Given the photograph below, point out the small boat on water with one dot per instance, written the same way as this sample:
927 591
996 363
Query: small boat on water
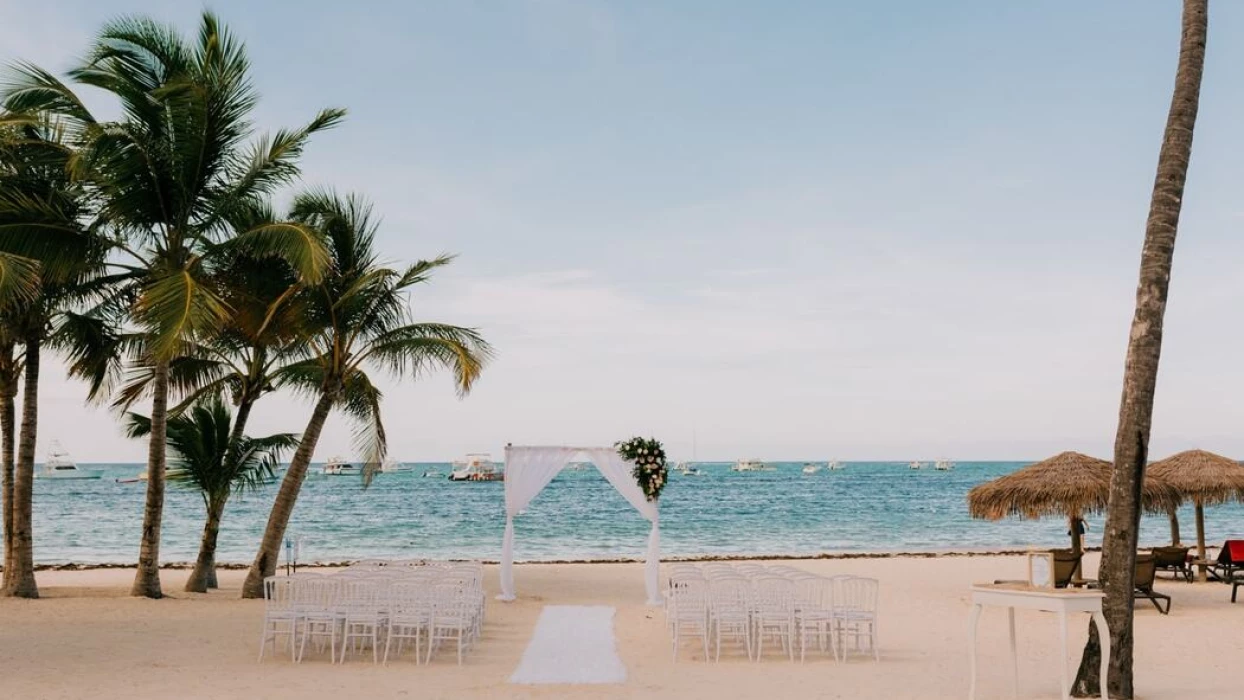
811 468
944 465
835 465
916 465
432 473
751 465
685 469
476 467
59 465
338 466
391 465
137 479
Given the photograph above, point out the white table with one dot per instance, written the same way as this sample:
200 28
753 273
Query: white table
1061 601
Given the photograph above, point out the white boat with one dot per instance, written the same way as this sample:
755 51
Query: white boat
338 466
944 465
751 465
685 469
811 468
59 465
432 473
835 465
916 465
476 467
391 465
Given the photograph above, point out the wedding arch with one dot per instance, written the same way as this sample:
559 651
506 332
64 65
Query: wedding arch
529 469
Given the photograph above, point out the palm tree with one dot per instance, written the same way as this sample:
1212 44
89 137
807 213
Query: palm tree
209 460
1131 446
360 319
171 174
38 194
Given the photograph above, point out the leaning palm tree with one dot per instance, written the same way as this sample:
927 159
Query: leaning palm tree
209 460
1131 445
360 319
170 174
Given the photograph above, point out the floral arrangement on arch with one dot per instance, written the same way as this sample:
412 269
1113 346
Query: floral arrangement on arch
648 456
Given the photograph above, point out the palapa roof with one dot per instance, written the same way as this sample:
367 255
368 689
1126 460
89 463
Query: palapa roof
1204 477
1066 484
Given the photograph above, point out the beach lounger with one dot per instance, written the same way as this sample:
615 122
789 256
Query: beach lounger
1142 584
1174 560
1066 566
1230 560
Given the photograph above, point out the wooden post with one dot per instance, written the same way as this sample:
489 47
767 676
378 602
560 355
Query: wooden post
1174 527
1077 548
1200 541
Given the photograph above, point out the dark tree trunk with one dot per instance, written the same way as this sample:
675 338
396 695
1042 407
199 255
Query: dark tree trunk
147 578
8 444
270 548
21 581
203 576
1118 564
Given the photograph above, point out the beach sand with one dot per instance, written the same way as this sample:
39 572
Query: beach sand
85 638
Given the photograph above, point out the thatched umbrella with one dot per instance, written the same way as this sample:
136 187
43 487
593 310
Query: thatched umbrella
1070 484
1204 478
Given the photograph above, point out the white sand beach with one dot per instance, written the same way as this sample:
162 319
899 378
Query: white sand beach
86 638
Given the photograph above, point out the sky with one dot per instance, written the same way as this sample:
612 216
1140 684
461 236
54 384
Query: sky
800 230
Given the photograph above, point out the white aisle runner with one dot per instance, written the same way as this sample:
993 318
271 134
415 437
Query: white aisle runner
571 644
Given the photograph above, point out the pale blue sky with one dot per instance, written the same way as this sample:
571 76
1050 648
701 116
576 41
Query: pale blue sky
796 230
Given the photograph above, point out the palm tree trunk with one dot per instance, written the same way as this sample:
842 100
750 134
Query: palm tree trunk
1118 563
21 582
1200 541
1174 516
204 575
8 443
147 578
270 548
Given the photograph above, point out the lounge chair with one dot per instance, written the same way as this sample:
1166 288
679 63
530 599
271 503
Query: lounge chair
1146 572
1174 560
1066 564
1230 560
1142 584
1235 586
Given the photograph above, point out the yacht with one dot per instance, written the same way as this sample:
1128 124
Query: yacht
944 465
391 465
916 465
432 473
338 466
476 467
834 465
59 465
811 468
751 465
685 469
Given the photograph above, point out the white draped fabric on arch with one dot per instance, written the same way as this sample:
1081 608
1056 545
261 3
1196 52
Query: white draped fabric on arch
529 469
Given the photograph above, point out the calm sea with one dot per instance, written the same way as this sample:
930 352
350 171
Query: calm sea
868 506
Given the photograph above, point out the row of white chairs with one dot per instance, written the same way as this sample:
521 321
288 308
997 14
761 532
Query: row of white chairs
370 604
752 604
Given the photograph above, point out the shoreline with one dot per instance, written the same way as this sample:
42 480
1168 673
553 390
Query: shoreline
840 555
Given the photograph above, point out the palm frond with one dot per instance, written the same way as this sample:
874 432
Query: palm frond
178 306
416 348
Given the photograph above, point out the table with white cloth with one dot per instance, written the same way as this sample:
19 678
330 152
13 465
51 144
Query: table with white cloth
1061 601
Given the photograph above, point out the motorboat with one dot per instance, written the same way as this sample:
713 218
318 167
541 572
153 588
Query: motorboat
390 465
59 465
338 466
944 465
136 479
835 465
476 467
811 468
432 473
751 465
916 465
685 469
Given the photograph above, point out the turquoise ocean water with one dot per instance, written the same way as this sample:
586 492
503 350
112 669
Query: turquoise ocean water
868 506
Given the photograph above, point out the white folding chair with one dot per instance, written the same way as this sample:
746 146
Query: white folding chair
773 613
855 614
687 612
280 617
316 601
410 614
453 617
730 611
361 608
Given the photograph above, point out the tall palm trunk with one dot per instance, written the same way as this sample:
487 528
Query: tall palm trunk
1118 563
1174 518
8 443
270 548
203 576
21 582
147 579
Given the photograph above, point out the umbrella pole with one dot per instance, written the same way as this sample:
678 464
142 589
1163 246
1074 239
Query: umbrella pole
1200 541
1174 527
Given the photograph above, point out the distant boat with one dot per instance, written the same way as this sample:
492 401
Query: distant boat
338 466
391 465
811 468
431 473
916 465
835 465
59 465
140 478
685 469
751 465
944 465
476 467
